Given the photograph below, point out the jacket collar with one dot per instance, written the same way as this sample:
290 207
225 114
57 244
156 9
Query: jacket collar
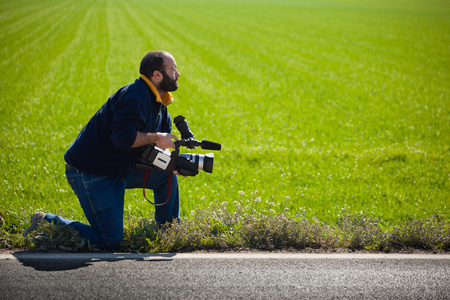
165 99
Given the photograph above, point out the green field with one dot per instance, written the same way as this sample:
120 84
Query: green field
319 105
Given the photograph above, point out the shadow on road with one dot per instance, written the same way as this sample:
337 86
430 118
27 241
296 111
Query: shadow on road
47 261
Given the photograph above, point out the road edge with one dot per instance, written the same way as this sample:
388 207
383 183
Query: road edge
228 255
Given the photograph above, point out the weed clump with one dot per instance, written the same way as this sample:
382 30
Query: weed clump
429 234
59 237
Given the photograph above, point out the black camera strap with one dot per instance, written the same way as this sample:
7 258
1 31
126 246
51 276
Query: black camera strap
147 172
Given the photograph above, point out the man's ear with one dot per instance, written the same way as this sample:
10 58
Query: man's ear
157 75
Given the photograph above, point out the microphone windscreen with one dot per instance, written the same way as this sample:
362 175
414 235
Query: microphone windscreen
207 145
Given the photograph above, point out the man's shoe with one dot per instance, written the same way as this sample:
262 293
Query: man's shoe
35 219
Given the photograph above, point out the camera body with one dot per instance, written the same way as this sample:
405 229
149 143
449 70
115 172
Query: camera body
186 164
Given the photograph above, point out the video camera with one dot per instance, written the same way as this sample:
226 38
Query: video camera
187 164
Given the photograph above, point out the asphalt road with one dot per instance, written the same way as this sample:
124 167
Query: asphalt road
223 276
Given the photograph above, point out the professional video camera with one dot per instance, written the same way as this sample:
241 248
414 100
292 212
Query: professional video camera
187 164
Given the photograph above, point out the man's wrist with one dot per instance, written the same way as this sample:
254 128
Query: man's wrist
146 138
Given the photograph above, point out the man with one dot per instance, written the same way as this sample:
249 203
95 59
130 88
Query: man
100 163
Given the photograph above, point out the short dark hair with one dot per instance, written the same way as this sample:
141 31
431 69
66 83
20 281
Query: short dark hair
152 61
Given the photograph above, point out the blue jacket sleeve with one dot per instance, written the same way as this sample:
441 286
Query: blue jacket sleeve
128 119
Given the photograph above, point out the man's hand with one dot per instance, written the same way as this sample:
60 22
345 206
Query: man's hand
161 139
164 140
175 172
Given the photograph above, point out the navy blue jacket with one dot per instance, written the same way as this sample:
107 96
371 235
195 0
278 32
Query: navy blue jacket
103 146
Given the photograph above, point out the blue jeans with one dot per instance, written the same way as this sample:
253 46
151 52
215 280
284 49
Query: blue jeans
102 200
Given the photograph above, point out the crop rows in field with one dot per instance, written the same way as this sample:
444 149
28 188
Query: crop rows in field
329 104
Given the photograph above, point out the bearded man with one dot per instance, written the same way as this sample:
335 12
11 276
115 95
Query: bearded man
101 162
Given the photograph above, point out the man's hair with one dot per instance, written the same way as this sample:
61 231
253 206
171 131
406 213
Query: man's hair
153 60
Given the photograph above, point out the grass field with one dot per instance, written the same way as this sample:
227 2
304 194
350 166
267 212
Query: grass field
320 106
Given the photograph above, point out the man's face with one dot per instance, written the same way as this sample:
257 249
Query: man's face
170 73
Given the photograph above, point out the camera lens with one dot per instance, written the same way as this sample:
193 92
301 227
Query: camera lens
202 162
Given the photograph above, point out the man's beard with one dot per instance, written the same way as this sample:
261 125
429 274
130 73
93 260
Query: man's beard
168 84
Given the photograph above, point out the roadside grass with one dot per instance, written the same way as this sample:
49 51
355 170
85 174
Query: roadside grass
334 104
248 228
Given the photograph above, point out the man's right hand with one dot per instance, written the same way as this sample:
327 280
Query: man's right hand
162 140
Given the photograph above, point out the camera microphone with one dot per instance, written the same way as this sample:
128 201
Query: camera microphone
208 145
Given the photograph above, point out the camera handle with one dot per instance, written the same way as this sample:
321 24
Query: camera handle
189 143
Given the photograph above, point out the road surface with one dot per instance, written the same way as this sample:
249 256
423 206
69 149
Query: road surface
224 276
